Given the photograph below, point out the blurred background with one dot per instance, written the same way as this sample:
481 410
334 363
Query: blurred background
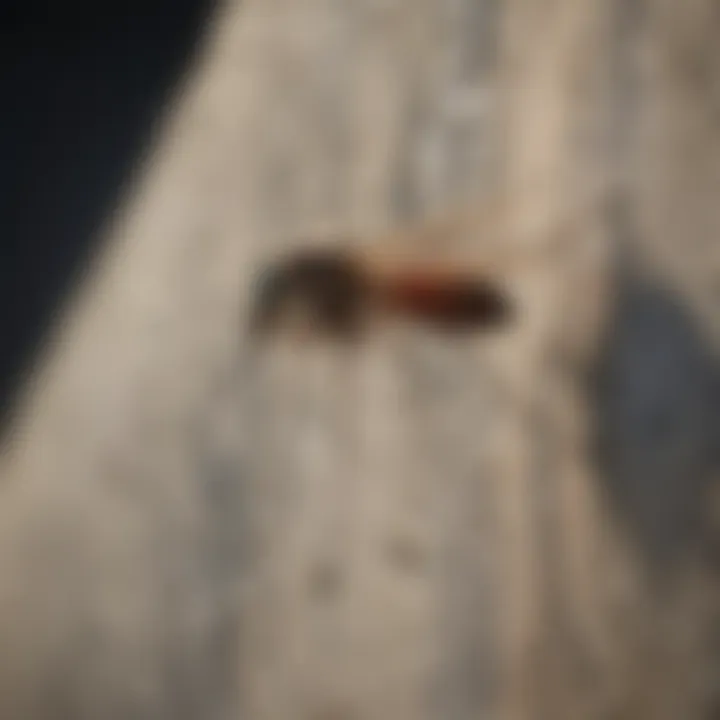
519 526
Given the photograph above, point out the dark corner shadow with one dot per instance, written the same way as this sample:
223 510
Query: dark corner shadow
81 89
657 404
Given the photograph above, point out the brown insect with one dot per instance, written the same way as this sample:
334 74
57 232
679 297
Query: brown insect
339 290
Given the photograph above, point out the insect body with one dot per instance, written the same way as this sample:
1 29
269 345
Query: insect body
339 292
341 289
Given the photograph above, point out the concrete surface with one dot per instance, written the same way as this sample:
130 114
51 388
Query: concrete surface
516 527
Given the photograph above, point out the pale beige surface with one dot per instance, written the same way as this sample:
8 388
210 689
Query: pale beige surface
420 529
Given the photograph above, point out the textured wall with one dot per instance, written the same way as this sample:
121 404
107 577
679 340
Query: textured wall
509 527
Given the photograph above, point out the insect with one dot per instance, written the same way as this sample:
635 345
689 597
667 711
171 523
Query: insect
340 292
342 289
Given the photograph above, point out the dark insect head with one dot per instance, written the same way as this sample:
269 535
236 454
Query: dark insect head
324 286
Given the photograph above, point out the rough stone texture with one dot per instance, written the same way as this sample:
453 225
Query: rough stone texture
516 527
